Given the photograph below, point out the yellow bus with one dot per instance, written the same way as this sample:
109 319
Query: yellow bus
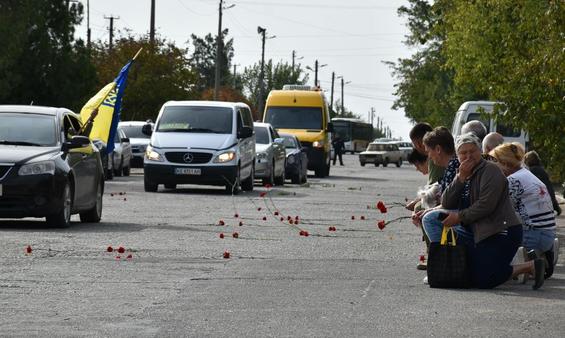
304 112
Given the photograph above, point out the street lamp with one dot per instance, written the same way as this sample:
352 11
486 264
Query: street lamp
219 49
262 31
316 66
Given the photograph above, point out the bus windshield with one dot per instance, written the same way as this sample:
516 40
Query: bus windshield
343 130
295 117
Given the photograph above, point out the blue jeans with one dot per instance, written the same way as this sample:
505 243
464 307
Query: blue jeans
538 239
433 226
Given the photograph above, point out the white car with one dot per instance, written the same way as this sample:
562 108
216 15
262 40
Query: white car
381 153
122 154
271 154
406 148
201 142
138 140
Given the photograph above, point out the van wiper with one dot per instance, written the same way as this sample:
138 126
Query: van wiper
20 143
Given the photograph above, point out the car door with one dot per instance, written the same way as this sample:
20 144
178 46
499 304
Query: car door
246 145
83 162
126 148
279 153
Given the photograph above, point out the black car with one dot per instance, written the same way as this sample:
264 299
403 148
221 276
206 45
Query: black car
296 159
46 168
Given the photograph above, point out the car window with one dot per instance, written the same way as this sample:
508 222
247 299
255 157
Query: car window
196 119
289 142
507 130
247 117
274 134
261 135
134 132
28 129
376 147
478 117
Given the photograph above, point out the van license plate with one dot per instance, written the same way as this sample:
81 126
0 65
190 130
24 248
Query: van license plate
187 171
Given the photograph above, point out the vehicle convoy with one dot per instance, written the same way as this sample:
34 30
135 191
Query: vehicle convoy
381 153
355 133
137 139
46 168
271 155
303 111
201 142
483 111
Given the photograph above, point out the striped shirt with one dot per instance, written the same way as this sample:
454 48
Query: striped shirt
531 200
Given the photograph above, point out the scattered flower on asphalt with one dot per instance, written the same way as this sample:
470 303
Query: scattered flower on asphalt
282 219
263 194
362 218
332 228
240 223
381 224
235 235
221 222
268 186
276 213
125 199
109 248
236 215
29 250
118 258
422 258
226 254
129 256
352 218
290 221
259 209
221 235
121 249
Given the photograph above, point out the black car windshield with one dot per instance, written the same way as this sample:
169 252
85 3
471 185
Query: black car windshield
261 135
289 142
27 129
294 117
195 119
134 132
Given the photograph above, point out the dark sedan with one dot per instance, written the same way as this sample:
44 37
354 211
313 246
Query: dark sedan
46 168
296 159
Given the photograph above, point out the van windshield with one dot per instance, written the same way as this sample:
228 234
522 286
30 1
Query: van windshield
294 117
134 132
195 119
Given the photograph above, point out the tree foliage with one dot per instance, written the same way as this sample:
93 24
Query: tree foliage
160 73
515 52
203 60
40 60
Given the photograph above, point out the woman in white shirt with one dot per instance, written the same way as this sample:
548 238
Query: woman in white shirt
531 201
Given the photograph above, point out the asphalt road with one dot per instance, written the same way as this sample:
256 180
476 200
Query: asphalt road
357 281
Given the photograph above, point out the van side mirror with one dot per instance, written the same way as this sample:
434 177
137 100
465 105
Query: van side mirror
330 127
244 132
147 129
125 140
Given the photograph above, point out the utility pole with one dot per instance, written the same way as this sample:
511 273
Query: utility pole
152 24
293 56
88 23
261 31
316 74
342 107
332 93
111 18
372 115
234 75
218 52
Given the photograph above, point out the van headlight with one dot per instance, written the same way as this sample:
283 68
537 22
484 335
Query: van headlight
261 156
38 168
225 157
152 155
318 144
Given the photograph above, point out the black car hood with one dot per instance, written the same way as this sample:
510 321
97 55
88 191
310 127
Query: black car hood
22 154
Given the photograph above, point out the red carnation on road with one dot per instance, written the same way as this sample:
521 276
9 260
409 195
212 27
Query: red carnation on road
422 258
381 225
235 235
276 213
352 218
264 218
236 215
268 186
332 228
263 194
121 249
259 209
29 250
221 235
129 256
109 248
226 254
221 222
240 223
362 218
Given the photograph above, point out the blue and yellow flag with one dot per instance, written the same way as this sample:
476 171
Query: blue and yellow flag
108 101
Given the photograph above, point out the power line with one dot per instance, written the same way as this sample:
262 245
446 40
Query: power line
317 6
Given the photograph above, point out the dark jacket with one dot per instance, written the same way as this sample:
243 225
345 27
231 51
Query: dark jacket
490 211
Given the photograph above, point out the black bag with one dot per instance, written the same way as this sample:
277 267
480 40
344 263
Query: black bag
448 265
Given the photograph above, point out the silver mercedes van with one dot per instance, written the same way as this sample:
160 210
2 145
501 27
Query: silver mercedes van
201 142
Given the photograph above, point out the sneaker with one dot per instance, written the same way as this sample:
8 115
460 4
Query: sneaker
422 266
425 280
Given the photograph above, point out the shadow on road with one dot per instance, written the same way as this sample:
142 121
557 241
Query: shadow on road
39 225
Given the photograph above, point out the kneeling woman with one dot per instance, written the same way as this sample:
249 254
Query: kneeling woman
486 222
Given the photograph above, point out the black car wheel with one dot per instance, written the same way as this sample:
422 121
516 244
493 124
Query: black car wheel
95 214
385 163
247 184
63 217
399 163
362 164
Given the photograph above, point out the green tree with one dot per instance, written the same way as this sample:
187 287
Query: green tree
513 51
160 73
275 78
40 60
203 60
346 113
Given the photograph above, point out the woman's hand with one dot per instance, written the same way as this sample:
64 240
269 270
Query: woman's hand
465 170
451 219
417 218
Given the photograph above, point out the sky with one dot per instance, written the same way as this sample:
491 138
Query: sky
350 38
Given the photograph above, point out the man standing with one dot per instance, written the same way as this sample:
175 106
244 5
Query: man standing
338 145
